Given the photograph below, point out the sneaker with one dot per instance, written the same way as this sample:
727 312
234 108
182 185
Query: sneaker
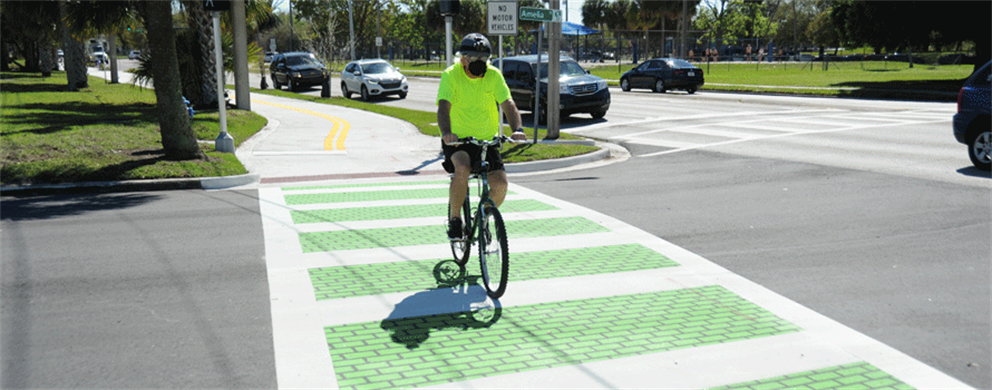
455 229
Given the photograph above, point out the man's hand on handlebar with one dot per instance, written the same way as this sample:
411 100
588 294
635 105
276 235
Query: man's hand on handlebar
449 138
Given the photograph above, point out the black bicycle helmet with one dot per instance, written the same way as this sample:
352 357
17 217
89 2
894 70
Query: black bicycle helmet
475 44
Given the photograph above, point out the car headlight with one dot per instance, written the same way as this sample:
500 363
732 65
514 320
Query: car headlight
294 74
374 81
600 85
564 90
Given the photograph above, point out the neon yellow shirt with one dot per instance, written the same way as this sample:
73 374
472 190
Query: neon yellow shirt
474 102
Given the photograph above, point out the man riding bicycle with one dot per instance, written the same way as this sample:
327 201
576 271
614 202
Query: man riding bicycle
467 102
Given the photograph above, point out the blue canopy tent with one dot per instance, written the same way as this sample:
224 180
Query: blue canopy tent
573 29
569 28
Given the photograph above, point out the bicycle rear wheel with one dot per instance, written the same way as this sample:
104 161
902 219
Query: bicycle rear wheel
494 257
461 249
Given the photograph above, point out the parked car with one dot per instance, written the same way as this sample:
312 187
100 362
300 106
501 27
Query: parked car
297 69
269 55
99 57
663 74
972 125
579 91
373 78
134 54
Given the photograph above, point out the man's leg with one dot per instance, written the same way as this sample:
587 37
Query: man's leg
497 186
459 182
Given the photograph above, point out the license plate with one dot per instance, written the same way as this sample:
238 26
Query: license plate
692 74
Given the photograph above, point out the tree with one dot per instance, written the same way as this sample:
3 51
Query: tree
30 28
203 91
178 139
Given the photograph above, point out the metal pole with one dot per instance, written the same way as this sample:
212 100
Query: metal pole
447 42
351 28
241 89
224 142
501 72
537 85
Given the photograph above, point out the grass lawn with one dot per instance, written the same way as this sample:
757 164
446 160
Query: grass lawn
104 133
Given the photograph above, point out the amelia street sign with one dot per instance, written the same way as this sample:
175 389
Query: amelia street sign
502 17
540 14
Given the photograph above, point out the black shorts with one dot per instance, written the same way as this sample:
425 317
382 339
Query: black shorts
492 156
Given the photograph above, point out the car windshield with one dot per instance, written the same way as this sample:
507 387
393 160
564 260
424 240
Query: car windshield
377 68
567 69
677 64
301 60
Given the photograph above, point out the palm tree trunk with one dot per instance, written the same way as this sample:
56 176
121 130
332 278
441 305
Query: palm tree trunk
74 55
177 134
202 24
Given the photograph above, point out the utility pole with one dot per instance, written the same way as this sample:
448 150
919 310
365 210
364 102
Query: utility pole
554 94
351 28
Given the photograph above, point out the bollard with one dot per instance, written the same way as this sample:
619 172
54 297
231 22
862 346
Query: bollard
325 91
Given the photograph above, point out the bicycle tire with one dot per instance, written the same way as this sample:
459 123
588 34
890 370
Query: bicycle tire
462 249
494 256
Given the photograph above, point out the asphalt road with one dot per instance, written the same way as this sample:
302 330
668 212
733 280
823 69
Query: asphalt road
135 290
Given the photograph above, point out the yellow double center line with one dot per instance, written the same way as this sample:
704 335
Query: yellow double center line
339 131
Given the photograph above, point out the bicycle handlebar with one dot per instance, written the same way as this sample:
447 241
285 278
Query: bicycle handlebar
497 140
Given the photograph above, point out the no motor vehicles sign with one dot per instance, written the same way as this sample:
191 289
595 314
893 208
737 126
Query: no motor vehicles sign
502 17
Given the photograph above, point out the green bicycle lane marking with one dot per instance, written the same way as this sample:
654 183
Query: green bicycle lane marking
382 278
404 211
852 376
365 196
435 234
436 349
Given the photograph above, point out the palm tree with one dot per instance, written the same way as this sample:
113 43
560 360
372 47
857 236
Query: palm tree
201 24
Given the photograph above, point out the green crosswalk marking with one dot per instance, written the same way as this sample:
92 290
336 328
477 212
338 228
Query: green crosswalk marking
436 234
859 375
359 185
366 196
373 279
437 349
407 211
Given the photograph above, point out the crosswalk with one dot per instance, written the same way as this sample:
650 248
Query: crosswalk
358 303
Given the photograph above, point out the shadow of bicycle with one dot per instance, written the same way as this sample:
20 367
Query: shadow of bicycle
459 302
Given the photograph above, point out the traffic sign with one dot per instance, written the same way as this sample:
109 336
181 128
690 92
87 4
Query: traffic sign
502 17
217 5
540 14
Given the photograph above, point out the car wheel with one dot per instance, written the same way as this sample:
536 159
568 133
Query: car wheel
598 114
625 85
980 148
659 86
691 90
365 94
275 83
293 86
402 95
345 91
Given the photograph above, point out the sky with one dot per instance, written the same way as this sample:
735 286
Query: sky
574 9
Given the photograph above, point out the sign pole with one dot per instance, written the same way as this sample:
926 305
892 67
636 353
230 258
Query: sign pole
224 142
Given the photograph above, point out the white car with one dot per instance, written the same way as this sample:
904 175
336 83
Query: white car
135 54
372 78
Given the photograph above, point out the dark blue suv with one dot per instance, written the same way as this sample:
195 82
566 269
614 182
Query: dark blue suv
972 125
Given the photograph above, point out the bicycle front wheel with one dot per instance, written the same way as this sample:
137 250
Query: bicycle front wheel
461 249
494 257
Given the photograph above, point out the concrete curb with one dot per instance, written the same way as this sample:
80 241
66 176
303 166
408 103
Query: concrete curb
206 183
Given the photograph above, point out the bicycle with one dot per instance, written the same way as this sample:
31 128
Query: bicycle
485 227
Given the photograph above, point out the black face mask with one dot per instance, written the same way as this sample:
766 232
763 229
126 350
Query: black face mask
477 68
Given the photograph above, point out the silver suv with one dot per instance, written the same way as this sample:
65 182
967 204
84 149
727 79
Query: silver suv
373 78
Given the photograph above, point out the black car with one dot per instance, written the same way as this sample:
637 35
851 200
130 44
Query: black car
297 69
663 74
579 91
973 122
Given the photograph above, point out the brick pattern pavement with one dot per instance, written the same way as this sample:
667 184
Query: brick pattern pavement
404 211
374 279
435 234
421 351
855 376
